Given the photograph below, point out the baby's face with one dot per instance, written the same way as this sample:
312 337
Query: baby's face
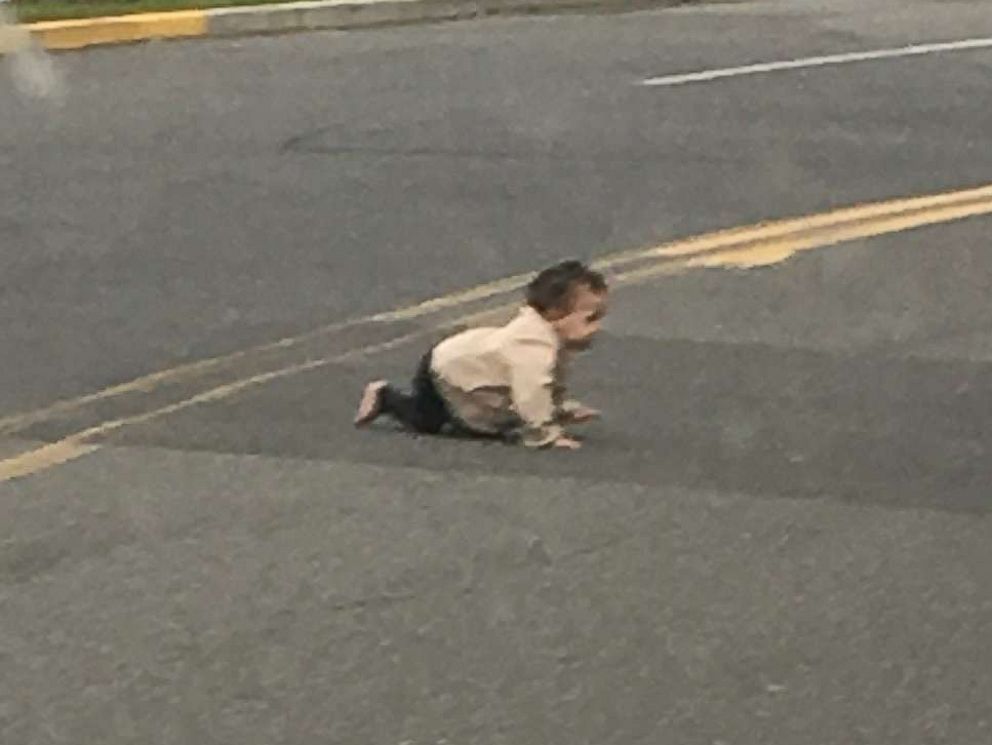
578 328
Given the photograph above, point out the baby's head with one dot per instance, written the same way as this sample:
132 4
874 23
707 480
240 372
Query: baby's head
572 298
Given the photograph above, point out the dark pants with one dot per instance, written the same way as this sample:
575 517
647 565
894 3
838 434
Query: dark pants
423 409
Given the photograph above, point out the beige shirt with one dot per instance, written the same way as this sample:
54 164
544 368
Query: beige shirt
502 379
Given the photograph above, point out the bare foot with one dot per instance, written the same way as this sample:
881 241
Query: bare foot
567 442
371 404
583 414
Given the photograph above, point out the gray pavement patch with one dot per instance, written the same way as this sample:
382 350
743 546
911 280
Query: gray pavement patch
863 428
273 601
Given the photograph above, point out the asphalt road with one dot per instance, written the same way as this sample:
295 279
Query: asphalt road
778 535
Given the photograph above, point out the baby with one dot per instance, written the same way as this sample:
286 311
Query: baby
506 381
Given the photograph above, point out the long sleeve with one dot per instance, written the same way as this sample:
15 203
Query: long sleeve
564 406
532 384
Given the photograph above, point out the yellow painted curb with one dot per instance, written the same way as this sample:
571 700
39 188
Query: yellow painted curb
84 32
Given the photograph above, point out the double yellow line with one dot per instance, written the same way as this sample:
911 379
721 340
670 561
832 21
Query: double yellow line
757 245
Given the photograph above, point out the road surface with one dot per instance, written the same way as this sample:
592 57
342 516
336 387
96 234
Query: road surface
778 535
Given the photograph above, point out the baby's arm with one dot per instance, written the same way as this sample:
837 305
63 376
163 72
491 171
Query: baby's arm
568 410
532 367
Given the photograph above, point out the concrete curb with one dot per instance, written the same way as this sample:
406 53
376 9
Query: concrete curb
306 16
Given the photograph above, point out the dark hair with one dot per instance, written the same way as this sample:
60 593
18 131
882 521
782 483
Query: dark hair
553 289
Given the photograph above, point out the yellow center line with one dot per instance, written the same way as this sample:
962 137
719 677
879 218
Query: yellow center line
777 251
762 246
45 457
782 228
710 242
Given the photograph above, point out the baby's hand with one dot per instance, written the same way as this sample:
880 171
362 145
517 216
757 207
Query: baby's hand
564 442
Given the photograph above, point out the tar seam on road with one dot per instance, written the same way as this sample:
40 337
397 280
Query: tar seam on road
760 245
